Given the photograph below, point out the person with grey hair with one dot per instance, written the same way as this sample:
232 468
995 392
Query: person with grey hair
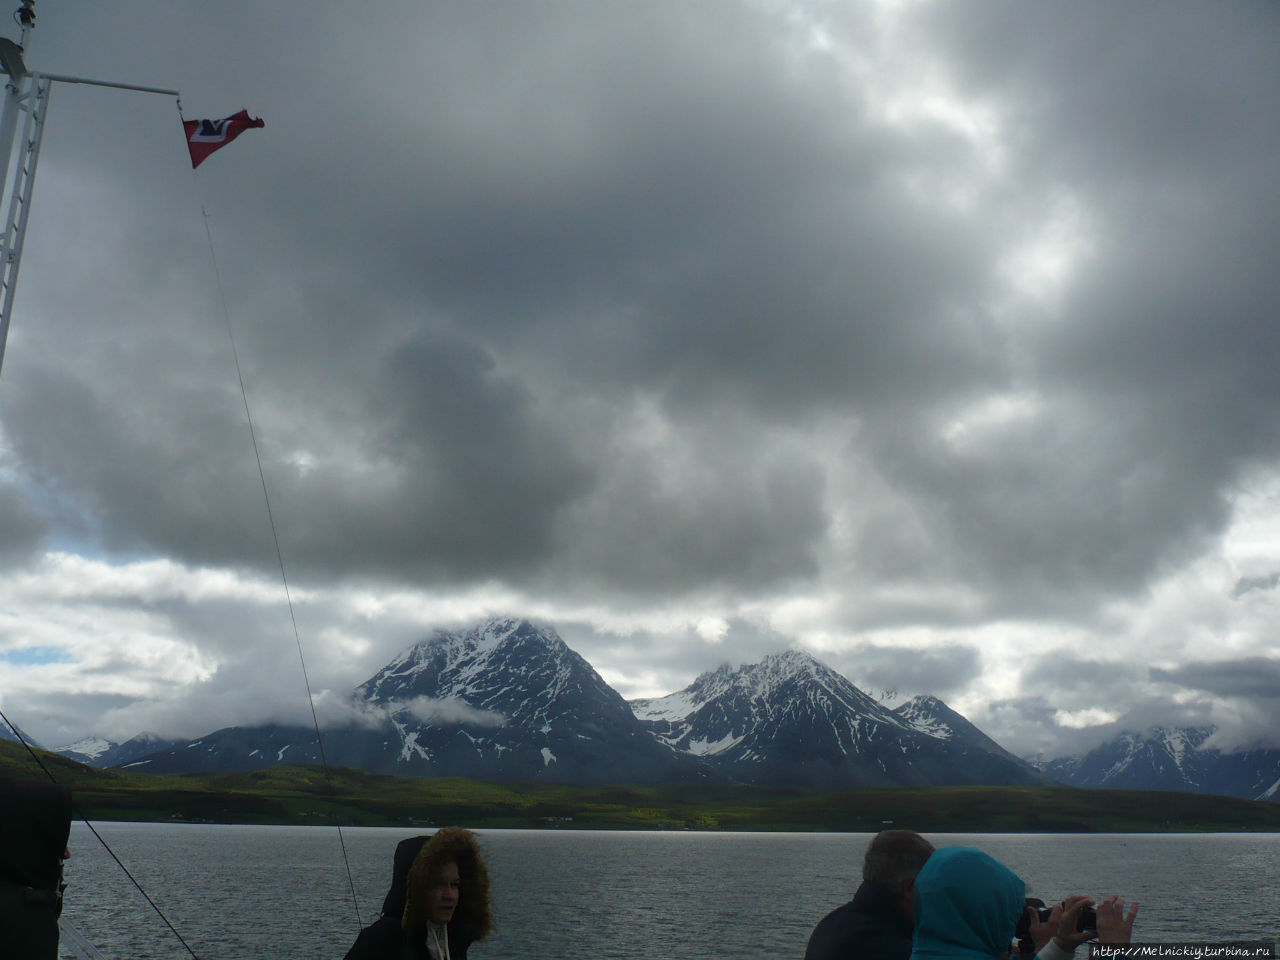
876 924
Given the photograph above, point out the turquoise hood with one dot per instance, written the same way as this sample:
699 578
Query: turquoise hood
967 905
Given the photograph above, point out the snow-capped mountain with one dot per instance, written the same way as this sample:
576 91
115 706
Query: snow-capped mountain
1171 758
931 716
792 719
7 734
100 752
506 700
508 696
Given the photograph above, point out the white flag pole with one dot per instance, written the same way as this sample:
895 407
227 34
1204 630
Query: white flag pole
30 92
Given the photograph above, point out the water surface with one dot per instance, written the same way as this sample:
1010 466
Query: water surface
283 892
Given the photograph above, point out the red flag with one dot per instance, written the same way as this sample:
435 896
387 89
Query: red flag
206 136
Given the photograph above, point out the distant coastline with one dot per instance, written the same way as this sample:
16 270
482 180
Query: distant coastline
304 795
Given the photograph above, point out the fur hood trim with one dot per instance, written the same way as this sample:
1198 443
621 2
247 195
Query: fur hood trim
450 845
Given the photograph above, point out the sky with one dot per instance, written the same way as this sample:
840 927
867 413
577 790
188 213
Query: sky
936 339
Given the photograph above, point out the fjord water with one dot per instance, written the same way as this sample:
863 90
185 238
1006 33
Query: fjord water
282 892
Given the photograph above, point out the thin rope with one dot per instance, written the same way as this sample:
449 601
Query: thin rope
262 476
85 820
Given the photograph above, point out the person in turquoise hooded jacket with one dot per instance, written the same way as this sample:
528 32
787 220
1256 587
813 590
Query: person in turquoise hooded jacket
968 903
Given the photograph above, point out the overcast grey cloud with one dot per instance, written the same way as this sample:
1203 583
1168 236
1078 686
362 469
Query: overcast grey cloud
935 338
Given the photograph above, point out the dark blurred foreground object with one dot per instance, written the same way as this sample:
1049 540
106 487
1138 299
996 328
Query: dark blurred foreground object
35 823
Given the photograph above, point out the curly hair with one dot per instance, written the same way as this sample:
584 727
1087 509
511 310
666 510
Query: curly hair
450 845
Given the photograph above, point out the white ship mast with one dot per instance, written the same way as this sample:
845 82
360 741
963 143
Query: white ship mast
25 92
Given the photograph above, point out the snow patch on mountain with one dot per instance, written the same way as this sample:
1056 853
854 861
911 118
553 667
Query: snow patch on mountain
1171 758
706 748
924 713
89 747
674 706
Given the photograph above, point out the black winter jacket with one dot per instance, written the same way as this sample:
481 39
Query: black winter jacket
35 820
869 927
385 940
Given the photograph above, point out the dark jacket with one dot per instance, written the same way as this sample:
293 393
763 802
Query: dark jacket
385 940
868 927
398 935
35 821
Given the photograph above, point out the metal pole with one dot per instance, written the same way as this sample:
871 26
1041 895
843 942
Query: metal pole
24 184
26 17
9 124
11 244
19 205
105 83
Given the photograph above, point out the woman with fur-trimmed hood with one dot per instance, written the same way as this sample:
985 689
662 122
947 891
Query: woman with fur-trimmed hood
438 904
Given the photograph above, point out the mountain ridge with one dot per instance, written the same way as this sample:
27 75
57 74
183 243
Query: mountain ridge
792 719
508 700
1173 759
505 700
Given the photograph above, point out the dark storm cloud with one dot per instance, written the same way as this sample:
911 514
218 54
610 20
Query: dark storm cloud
1031 725
1249 584
1250 677
1240 698
1120 87
895 673
647 303
22 525
701 234
44 707
134 477
697 212
458 476
1157 379
1090 680
1066 508
722 520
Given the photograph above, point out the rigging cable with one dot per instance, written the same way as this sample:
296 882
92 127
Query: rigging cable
324 763
85 820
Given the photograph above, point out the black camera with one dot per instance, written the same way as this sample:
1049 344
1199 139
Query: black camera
1022 932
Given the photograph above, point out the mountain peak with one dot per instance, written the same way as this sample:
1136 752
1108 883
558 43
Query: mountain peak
1171 758
791 718
506 699
783 666
756 682
468 651
792 661
924 701
930 715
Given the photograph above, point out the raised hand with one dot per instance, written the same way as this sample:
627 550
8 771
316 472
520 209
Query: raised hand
1114 925
1067 917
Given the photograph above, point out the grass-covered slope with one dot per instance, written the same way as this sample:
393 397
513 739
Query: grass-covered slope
292 794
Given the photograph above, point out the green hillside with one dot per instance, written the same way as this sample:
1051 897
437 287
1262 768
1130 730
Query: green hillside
304 795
